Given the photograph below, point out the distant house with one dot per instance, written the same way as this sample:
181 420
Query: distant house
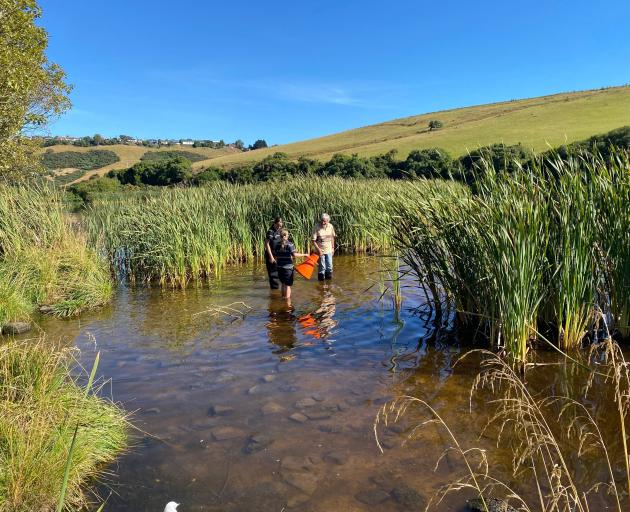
187 142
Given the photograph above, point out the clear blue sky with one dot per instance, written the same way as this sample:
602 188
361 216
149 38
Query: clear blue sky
286 71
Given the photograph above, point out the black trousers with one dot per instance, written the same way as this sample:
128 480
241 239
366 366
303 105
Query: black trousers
272 272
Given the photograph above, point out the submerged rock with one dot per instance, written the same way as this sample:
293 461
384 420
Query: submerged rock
305 402
16 327
408 498
272 408
220 410
257 443
494 505
318 415
305 482
298 417
268 378
374 497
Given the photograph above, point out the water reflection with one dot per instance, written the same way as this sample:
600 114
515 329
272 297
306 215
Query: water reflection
281 325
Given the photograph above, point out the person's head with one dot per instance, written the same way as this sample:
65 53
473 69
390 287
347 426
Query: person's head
285 236
278 223
325 219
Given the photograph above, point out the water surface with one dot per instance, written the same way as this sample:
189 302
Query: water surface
272 406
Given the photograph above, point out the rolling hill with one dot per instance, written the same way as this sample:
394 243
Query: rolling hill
537 123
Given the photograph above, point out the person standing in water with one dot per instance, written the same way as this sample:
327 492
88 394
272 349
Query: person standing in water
284 255
272 239
324 241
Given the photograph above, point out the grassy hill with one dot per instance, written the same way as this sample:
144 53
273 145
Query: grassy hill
130 155
536 123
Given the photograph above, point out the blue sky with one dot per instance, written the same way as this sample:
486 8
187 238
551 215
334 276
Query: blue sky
286 71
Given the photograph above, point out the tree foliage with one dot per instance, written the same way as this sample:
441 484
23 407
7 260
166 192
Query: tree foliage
160 172
32 89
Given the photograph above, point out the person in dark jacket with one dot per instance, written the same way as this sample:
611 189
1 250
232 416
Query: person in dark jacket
273 238
284 255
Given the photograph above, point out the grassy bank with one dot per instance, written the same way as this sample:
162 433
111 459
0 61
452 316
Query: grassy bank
44 260
176 235
40 407
543 251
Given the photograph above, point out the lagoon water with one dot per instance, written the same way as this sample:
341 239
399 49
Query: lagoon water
273 409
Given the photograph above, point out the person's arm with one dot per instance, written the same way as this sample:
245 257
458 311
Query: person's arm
300 255
269 253
334 239
318 249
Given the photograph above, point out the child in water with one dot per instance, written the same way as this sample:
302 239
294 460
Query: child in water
284 254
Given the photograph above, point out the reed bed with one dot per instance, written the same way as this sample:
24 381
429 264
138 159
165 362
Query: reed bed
543 249
176 235
40 409
44 260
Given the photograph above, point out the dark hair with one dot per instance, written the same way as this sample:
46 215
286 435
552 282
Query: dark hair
276 220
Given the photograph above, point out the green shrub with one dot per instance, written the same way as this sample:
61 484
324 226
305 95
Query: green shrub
87 161
158 156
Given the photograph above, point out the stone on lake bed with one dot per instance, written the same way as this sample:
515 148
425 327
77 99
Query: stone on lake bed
408 498
225 433
12 328
295 463
257 443
152 410
255 390
305 482
374 497
318 415
305 402
220 410
268 378
331 428
272 408
336 458
299 417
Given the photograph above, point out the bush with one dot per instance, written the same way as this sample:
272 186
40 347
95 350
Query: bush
86 191
158 156
208 175
160 172
90 160
425 163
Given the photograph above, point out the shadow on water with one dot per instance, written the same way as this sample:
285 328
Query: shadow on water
273 409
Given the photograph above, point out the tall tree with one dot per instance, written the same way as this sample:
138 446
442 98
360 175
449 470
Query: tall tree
32 89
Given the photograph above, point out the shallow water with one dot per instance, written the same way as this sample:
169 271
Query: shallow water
305 381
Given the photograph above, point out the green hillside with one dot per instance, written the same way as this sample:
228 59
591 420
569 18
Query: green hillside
536 123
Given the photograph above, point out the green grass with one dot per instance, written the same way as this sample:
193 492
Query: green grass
537 123
40 408
44 260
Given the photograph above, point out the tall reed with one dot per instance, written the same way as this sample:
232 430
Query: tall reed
44 260
177 235
545 245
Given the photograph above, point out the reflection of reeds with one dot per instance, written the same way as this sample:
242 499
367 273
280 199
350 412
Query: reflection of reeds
545 244
549 437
